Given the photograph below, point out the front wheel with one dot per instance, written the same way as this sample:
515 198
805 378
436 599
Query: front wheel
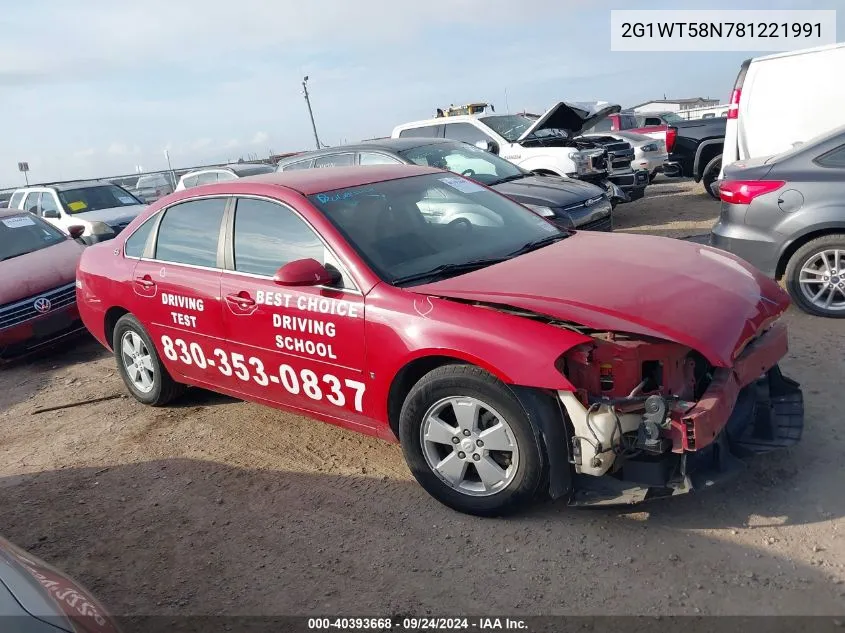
140 366
469 443
815 276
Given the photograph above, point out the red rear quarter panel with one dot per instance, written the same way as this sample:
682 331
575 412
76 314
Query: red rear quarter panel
105 279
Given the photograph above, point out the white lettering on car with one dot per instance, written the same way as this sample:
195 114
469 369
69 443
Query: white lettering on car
180 301
188 320
304 325
328 386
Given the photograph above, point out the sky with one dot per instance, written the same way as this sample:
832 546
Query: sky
96 88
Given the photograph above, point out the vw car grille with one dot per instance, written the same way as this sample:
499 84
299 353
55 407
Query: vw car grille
22 310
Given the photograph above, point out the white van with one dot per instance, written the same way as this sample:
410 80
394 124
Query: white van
783 99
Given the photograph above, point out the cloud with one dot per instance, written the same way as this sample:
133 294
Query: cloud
260 138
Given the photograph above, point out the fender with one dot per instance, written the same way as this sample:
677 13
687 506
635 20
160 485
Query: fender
696 166
559 163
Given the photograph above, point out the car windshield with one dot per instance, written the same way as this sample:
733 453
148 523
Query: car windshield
465 159
22 234
96 198
420 228
512 126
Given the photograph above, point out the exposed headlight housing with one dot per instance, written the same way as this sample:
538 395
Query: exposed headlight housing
542 211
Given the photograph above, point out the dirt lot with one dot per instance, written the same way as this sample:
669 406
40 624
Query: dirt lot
216 506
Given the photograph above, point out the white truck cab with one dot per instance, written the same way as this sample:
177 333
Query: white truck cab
545 145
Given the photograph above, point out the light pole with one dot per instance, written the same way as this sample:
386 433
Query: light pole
170 167
310 112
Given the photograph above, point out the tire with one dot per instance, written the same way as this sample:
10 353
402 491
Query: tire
513 477
809 257
162 388
710 174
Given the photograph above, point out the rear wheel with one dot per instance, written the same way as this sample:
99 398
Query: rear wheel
469 443
709 176
815 276
140 366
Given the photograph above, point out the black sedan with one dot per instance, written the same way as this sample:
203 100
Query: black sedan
567 202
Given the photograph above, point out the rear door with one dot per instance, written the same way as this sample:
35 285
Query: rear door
299 347
176 288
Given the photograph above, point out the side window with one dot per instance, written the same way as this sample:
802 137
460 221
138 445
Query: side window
303 164
628 122
605 125
335 160
373 158
223 176
268 235
137 242
48 207
30 203
426 131
833 158
207 178
190 231
465 132
652 120
190 181
15 200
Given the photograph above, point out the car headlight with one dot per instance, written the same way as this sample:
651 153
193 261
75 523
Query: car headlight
101 228
649 147
545 212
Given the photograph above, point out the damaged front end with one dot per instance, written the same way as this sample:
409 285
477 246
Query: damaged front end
651 418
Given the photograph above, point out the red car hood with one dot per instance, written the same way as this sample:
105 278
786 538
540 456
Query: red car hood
44 269
678 291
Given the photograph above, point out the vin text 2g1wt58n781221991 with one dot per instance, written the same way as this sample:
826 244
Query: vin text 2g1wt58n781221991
329 292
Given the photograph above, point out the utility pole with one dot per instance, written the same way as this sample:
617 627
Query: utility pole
310 112
170 167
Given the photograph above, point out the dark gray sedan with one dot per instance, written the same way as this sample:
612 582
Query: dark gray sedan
566 202
785 214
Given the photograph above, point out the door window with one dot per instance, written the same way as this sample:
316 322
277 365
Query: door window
16 200
207 178
465 132
137 242
47 205
189 232
435 131
303 164
190 181
335 160
30 203
268 235
374 158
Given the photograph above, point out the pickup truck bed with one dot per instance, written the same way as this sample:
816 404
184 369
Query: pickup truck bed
697 150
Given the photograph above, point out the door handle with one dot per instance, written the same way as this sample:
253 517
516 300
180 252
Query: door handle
242 299
145 281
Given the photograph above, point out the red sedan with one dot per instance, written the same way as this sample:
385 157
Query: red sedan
37 283
508 356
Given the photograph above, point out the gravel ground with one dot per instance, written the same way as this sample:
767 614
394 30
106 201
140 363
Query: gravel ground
216 506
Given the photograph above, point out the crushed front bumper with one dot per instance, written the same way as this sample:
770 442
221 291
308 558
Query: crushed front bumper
767 415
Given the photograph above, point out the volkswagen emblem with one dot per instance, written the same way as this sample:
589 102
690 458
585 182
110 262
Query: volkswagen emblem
42 304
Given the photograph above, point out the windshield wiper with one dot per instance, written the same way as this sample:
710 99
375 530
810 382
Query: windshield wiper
508 179
538 244
446 269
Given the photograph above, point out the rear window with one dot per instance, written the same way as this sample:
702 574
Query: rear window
96 198
21 234
425 131
189 232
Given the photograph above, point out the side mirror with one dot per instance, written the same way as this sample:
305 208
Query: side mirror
76 231
52 214
305 272
488 146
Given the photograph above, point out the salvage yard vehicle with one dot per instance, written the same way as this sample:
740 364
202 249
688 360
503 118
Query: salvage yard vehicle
37 283
566 202
501 354
37 598
101 208
649 152
210 175
545 145
786 215
695 150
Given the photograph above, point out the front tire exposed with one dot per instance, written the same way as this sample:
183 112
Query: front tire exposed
815 276
140 366
469 443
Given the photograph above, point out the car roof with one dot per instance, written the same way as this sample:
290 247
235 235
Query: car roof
311 181
70 184
7 212
389 145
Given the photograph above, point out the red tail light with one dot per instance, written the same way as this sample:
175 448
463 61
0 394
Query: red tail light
733 107
744 191
671 135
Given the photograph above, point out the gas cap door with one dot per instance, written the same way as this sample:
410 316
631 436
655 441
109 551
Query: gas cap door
790 200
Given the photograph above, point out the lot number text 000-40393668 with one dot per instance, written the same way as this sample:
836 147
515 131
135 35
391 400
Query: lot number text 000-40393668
305 381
